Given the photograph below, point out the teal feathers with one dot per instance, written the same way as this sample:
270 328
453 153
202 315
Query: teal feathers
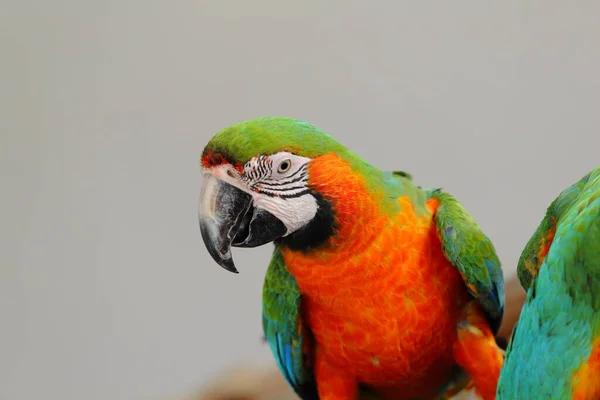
560 319
284 328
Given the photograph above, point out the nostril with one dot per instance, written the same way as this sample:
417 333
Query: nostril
230 173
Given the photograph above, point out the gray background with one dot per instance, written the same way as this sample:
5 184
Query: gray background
106 291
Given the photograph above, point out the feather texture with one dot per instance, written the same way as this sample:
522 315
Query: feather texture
284 328
470 250
399 294
555 349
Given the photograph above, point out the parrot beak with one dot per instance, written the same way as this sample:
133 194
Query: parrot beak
227 218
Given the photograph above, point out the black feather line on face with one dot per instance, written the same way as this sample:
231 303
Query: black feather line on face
256 169
281 183
281 193
259 167
265 171
294 195
258 175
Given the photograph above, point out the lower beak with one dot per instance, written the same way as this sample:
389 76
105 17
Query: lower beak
227 218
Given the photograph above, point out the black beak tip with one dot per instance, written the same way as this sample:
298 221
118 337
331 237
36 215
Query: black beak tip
218 251
229 265
226 262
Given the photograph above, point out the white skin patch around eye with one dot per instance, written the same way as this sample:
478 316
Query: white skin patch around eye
279 186
274 167
286 164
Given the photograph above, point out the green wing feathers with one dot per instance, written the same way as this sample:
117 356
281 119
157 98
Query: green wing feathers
466 246
283 327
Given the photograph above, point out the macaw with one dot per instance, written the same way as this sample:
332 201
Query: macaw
554 352
376 288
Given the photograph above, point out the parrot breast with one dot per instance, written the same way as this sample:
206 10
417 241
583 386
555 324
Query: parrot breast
381 300
586 383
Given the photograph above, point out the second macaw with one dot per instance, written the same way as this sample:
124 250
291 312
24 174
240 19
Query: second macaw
554 352
376 287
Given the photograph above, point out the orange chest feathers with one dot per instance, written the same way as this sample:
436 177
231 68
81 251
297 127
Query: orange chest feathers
386 307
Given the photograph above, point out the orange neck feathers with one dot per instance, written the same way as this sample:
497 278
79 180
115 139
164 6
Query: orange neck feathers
358 216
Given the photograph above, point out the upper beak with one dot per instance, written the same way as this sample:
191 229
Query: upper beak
227 218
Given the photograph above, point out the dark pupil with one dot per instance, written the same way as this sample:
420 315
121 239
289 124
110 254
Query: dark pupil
284 165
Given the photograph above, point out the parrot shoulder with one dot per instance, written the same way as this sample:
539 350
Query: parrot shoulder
284 330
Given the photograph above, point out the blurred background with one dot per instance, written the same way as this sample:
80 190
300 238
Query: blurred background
106 290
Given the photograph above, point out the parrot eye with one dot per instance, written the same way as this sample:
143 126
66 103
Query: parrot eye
284 166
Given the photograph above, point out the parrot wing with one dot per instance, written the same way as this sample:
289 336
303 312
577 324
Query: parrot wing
284 329
466 246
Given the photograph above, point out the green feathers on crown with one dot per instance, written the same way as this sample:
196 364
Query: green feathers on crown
268 135
238 143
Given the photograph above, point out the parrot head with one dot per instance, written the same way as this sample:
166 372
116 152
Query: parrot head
256 187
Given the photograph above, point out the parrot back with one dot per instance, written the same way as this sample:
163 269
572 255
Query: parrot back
555 349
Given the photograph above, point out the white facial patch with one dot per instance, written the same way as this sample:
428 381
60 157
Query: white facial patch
279 185
294 212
